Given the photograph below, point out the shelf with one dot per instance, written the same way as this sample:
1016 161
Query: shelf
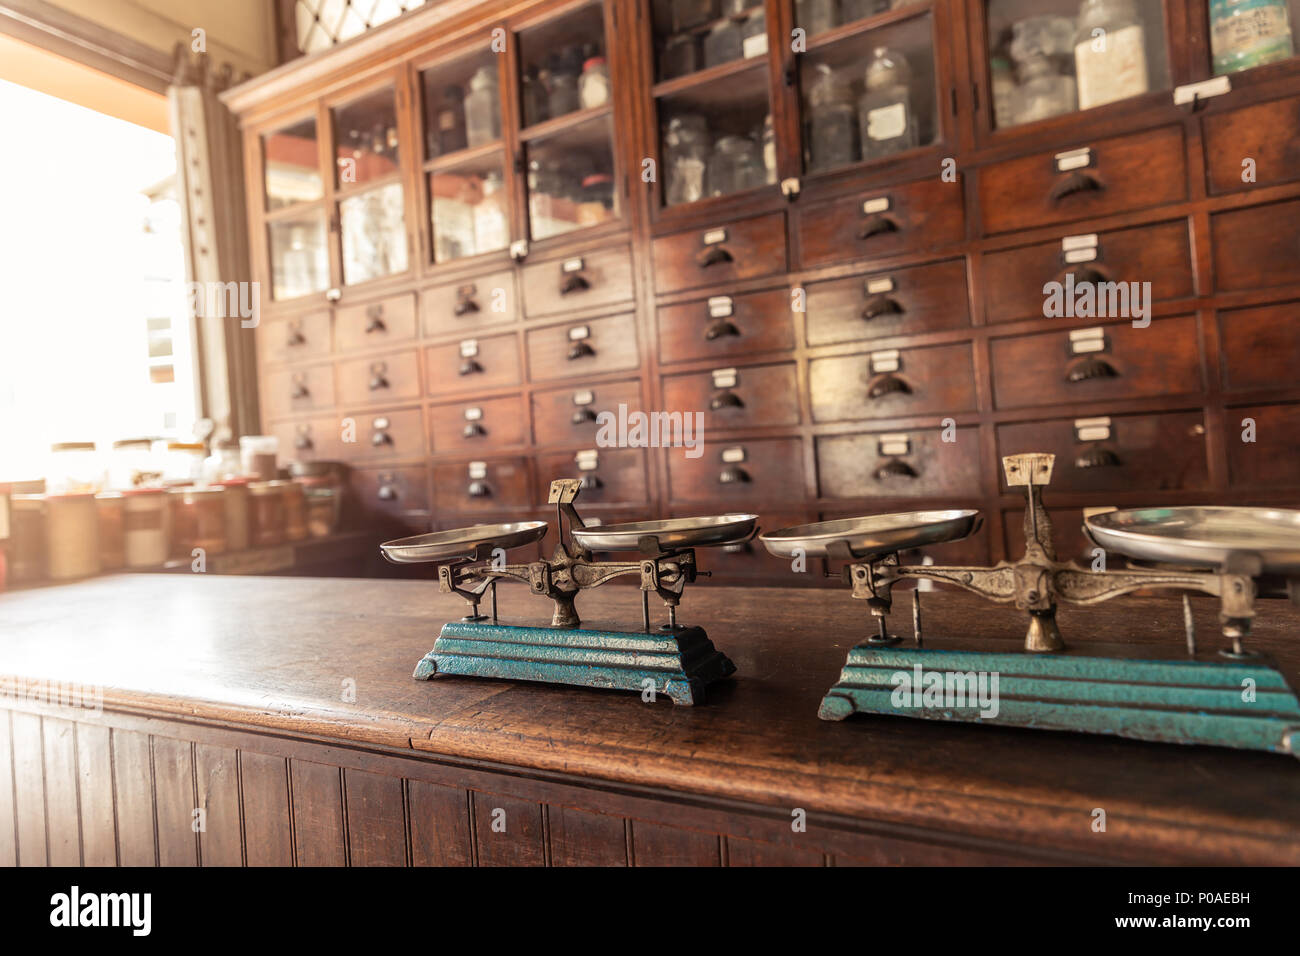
723 71
563 124
475 157
857 28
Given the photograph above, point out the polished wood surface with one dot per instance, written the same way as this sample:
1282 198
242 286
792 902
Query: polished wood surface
280 655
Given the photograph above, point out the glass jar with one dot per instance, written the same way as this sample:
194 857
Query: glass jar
1249 33
184 462
112 518
450 135
681 56
224 462
1003 80
562 93
691 13
267 499
295 510
257 455
767 137
237 511
753 35
483 107
323 506
198 521
74 468
734 165
491 229
816 16
146 524
1042 35
593 85
71 536
1042 92
832 120
533 97
886 123
686 156
27 538
1110 53
132 464
723 44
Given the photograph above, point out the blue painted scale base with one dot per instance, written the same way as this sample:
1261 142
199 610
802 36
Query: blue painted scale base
1240 704
678 663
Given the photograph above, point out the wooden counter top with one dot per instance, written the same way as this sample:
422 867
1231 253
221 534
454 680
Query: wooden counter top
277 654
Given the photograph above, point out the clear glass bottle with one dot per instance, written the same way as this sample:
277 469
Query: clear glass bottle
562 93
686 156
681 56
1110 54
767 137
490 229
483 107
74 468
593 85
886 123
753 36
450 135
832 120
1249 33
533 97
723 43
1042 93
816 16
734 165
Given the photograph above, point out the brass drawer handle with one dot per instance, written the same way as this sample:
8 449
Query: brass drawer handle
733 475
580 350
375 319
473 430
895 469
387 493
887 385
582 416
479 489
879 305
1097 457
378 376
469 366
590 482
1073 184
302 442
1082 275
725 399
713 256
464 307
300 390
720 329
380 438
876 226
574 282
296 337
1090 369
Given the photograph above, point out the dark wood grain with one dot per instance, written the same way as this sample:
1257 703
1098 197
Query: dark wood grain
928 298
318 827
759 322
939 379
754 247
583 838
612 342
376 819
133 797
508 831
216 772
606 280
1265 133
440 832
62 816
501 423
1255 247
29 790
927 215
268 834
95 794
742 852
554 409
174 793
654 844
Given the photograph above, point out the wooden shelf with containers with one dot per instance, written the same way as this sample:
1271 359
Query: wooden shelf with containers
863 328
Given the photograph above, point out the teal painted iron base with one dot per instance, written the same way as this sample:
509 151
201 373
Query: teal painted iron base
1244 704
678 663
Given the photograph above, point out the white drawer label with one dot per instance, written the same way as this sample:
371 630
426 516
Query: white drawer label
469 348
895 445
585 397
881 285
1071 243
587 459
477 470
715 236
878 204
720 306
1092 429
572 265
1073 159
1206 88
1083 341
733 455
473 413
578 333
888 361
725 377
1075 256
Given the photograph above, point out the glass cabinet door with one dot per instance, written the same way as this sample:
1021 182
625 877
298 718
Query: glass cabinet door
296 234
1048 58
566 107
368 188
711 99
1245 34
464 157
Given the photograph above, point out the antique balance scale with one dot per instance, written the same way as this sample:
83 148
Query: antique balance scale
677 661
1230 698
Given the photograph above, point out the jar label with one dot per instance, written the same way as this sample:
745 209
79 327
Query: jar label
1116 71
887 122
755 45
1254 33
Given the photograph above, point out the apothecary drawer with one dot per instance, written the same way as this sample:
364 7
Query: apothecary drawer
391 491
926 214
747 249
893 383
488 424
375 324
1256 247
316 439
736 473
396 434
1260 347
392 377
1014 279
1262 448
293 390
749 559
1264 134
294 339
583 348
464 307
1101 179
565 416
736 397
609 475
725 326
1098 363
929 298
472 364
588 281
1163 452
911 464
488 485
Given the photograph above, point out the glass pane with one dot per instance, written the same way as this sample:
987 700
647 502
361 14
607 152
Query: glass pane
374 234
469 211
1049 57
691 35
818 16
292 165
299 255
562 65
716 138
869 95
365 138
1250 33
571 179
462 104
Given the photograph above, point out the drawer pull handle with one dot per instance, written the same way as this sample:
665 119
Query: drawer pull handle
468 367
1089 369
880 305
377 381
375 324
590 482
1097 457
1075 183
877 226
1082 275
721 329
725 399
295 338
474 430
580 350
733 475
582 416
573 282
381 438
887 385
464 307
387 493
713 256
300 390
895 469
302 443
479 489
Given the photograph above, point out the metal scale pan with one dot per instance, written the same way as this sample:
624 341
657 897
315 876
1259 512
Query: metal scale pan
462 544
873 534
671 534
1202 536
